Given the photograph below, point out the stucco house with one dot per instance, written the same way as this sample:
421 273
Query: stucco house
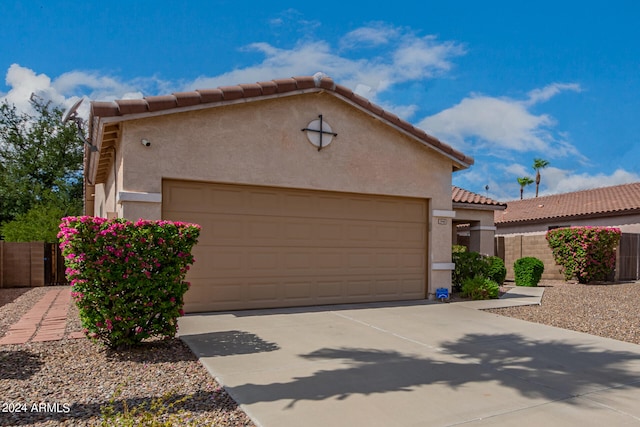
307 193
615 206
473 223
522 226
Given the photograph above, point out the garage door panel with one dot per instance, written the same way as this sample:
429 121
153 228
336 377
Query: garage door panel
226 228
329 290
412 286
297 229
359 288
413 234
387 260
298 261
261 261
298 291
329 260
263 228
413 260
270 247
264 291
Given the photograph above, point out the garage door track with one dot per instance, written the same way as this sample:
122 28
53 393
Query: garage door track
414 364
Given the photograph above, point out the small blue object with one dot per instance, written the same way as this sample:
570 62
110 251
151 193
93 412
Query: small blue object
442 293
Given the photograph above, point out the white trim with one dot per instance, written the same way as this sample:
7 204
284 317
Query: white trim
136 196
443 213
483 228
443 266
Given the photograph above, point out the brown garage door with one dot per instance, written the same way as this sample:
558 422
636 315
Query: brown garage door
266 247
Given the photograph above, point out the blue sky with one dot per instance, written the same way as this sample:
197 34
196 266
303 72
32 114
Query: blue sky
502 81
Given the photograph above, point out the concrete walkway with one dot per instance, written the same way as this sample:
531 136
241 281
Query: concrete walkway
45 321
415 364
518 295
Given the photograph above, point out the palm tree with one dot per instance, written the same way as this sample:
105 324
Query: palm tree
537 165
524 181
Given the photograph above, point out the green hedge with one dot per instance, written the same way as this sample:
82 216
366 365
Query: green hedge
480 288
528 271
476 275
467 265
497 271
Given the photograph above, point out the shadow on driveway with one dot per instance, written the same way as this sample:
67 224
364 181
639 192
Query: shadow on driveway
551 370
228 343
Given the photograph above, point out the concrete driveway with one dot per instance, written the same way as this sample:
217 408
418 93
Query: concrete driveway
414 364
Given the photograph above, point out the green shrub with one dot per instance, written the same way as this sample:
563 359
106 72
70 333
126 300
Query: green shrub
586 253
458 249
497 270
479 288
467 266
127 279
528 271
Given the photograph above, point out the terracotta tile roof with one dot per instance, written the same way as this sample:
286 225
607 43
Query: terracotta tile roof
182 101
462 196
616 200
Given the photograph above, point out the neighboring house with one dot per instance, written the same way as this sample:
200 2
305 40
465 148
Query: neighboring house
523 225
290 216
617 206
473 223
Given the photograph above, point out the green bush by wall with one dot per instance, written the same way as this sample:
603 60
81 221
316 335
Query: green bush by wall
497 271
586 253
467 265
528 271
480 288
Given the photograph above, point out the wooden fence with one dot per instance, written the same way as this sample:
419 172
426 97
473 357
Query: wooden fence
628 264
30 264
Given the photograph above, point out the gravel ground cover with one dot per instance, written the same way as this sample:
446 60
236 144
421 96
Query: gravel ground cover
78 379
610 310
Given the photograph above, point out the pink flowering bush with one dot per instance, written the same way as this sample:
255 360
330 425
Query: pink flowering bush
586 253
127 278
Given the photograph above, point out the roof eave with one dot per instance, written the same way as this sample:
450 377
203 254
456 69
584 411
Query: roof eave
533 221
478 206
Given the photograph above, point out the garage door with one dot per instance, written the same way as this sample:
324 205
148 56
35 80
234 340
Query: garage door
264 247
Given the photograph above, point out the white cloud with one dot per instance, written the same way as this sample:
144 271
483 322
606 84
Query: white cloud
554 180
370 36
406 57
418 58
549 91
482 122
23 82
516 170
93 85
503 122
563 181
69 87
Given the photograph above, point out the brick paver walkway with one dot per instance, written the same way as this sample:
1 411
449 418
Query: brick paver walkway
45 321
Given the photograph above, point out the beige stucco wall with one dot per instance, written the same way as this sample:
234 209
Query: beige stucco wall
531 245
105 194
261 143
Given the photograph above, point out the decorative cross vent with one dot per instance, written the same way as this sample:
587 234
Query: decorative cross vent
319 133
